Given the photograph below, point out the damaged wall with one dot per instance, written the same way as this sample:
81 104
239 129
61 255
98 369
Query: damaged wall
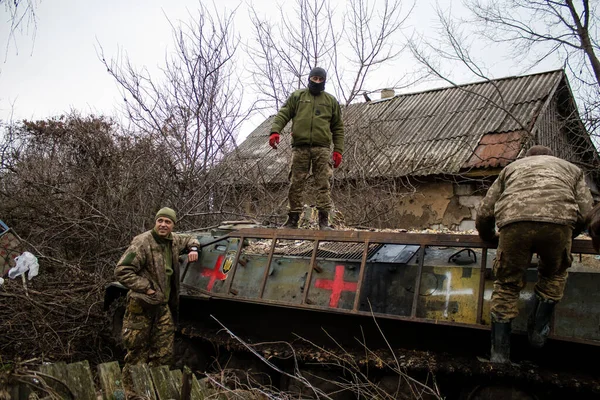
436 204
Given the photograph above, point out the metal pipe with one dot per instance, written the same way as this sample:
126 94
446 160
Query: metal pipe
361 275
268 267
413 313
217 240
235 263
186 265
186 262
481 292
310 270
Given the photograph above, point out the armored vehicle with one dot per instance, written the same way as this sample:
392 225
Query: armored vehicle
395 301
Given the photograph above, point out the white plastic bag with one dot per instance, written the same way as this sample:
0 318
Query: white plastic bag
25 262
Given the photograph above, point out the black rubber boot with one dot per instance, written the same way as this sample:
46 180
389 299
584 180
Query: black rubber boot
538 324
292 220
500 352
324 221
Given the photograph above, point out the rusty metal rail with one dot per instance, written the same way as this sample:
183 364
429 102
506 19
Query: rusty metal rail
426 239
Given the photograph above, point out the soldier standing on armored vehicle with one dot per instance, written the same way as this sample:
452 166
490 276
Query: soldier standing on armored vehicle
149 268
539 204
316 124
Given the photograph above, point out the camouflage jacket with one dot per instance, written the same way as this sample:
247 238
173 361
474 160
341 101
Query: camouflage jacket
316 120
142 267
537 188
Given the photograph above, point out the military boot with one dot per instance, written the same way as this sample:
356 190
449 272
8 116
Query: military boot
292 220
538 324
324 221
500 352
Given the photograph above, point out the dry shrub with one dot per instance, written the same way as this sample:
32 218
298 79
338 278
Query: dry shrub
76 189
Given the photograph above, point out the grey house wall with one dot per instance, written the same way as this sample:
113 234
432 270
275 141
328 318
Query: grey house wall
434 204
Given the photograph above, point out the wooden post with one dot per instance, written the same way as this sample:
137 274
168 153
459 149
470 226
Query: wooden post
111 381
186 384
164 384
142 380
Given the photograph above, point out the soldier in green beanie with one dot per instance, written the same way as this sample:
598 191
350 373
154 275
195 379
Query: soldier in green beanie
149 268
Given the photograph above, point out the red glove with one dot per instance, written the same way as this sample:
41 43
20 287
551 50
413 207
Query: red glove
274 140
337 159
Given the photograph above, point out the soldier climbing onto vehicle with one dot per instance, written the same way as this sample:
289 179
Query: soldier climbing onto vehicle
316 124
149 268
539 203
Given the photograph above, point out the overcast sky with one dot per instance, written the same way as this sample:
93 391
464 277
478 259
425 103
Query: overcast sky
59 69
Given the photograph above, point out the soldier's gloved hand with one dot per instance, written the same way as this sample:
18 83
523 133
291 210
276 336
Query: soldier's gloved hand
274 140
337 159
486 227
489 236
496 238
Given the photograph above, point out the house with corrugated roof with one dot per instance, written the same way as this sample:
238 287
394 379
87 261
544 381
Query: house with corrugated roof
422 160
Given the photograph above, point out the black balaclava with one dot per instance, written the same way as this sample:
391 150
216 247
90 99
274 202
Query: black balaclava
313 87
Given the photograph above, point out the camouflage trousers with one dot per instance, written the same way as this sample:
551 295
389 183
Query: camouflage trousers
148 334
303 158
518 242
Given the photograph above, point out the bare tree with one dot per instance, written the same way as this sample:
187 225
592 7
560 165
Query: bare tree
453 45
350 47
372 43
283 53
21 15
544 28
195 108
72 184
541 29
536 30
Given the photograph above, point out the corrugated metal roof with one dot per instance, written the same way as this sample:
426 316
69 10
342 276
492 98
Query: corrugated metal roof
441 131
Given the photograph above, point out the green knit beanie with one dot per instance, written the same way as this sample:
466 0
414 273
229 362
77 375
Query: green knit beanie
167 212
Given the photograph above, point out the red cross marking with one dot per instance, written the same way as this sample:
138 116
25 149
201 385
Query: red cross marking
337 286
214 273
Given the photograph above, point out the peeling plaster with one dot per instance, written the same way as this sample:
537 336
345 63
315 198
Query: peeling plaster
432 204
455 213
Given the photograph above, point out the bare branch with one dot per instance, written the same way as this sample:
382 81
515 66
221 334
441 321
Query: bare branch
350 47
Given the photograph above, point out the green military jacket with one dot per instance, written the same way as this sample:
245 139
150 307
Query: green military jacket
316 120
538 188
142 267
